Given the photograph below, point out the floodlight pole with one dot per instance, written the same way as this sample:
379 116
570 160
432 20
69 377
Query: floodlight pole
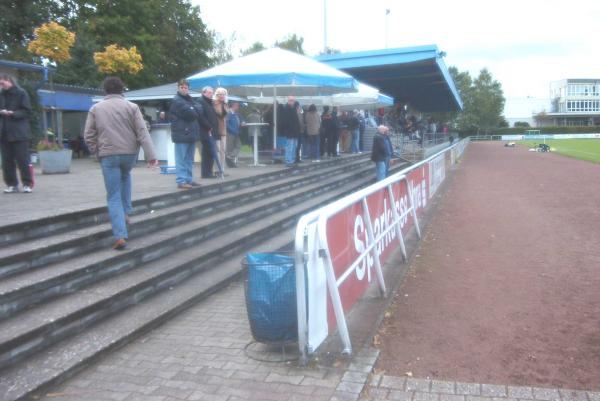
325 26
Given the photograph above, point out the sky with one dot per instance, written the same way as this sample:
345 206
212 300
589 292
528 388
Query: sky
525 44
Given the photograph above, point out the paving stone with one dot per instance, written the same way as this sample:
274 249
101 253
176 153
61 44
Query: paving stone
350 387
440 386
393 382
368 352
418 385
492 390
365 360
468 388
593 396
374 380
451 397
572 395
232 392
145 397
360 367
503 399
396 395
478 398
355 377
520 392
378 394
546 394
173 392
304 397
274 377
420 396
328 382
243 375
201 396
343 396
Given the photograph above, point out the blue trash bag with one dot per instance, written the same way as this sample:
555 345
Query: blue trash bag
271 297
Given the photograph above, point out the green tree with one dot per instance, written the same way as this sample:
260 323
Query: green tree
255 48
293 43
483 102
487 102
17 19
221 52
169 34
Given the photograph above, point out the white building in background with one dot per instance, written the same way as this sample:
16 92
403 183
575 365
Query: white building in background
574 102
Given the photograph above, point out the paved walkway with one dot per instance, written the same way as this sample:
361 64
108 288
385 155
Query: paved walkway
200 355
83 188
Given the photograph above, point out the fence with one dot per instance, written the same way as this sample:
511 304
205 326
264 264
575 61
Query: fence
337 246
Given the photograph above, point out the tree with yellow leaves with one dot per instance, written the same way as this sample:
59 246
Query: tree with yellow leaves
118 59
52 41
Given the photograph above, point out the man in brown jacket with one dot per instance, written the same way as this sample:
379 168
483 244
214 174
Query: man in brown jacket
114 131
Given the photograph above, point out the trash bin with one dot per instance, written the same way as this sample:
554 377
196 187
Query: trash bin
270 290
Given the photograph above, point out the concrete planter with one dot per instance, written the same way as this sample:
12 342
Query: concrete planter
55 161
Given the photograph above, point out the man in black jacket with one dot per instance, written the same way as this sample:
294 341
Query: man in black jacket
209 127
382 152
290 129
185 131
15 132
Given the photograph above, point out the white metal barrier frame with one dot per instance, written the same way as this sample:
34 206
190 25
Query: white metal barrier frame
320 218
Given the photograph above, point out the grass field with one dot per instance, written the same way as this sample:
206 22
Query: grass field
584 149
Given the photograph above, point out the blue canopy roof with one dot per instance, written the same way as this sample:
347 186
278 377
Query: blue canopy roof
67 101
414 75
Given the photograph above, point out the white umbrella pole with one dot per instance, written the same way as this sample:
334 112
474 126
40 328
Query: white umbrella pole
275 117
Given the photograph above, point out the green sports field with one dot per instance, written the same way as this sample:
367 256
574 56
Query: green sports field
584 149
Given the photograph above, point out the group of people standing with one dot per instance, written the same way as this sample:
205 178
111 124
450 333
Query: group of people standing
311 135
208 124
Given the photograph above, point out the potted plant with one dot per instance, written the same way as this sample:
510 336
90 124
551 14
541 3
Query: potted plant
53 158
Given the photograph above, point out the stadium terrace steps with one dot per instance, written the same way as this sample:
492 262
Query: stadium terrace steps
66 309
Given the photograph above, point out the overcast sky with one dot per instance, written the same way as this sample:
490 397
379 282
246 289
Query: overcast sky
525 44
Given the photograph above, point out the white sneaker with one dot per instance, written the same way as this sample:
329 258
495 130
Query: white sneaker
27 189
11 190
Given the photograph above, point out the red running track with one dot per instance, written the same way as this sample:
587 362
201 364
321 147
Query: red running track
506 285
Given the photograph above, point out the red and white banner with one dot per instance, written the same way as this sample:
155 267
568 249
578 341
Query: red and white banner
346 239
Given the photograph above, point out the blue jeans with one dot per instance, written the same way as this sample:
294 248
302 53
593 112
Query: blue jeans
290 150
184 162
355 138
116 170
313 146
382 168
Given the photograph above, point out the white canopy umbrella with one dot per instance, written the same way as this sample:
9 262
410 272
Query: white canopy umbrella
366 97
273 72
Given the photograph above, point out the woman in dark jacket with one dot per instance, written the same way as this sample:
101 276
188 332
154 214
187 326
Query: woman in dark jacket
185 131
15 132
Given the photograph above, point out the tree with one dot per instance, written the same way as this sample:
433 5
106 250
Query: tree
169 35
255 48
488 101
221 52
293 43
521 124
16 20
52 41
483 101
115 59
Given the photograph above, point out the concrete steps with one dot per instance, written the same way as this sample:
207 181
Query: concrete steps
60 314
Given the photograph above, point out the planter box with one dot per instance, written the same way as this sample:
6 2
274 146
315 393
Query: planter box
55 161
